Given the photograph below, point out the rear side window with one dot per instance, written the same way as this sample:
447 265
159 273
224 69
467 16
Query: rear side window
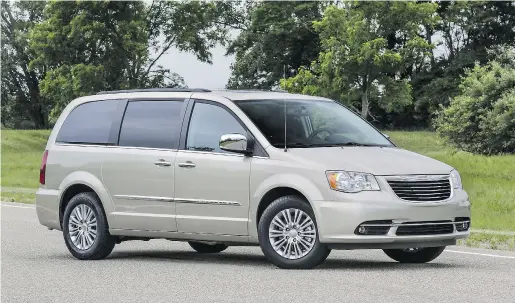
89 123
154 124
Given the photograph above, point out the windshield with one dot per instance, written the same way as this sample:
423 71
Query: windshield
311 123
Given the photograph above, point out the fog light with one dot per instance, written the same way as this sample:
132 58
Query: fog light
463 225
362 230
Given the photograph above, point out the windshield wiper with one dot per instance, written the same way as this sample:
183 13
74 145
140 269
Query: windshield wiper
357 144
300 145
306 145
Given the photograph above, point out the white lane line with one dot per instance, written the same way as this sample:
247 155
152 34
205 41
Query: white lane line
479 254
7 205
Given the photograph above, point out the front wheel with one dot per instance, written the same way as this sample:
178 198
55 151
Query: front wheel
205 248
414 255
288 234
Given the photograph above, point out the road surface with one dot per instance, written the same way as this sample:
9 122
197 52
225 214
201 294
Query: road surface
36 267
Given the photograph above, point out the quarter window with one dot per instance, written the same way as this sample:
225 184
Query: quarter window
89 123
208 123
154 124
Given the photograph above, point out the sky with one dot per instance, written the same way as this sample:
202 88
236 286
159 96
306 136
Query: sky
214 76
198 74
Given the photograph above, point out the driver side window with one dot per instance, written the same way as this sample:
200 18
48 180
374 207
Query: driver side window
332 127
208 123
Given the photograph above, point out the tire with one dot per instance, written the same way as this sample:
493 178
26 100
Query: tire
422 255
303 258
101 245
205 248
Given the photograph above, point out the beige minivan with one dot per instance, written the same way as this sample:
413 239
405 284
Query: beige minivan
297 175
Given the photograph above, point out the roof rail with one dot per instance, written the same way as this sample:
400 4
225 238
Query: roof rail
163 90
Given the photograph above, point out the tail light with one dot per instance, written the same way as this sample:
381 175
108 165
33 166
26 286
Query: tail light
42 169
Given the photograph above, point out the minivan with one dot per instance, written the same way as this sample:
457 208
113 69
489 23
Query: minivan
297 175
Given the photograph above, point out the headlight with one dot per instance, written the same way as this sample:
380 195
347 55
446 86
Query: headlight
351 182
456 179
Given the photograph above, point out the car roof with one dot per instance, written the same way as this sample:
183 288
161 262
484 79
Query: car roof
233 95
242 95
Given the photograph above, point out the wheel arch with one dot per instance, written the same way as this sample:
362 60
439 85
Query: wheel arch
79 182
275 187
274 194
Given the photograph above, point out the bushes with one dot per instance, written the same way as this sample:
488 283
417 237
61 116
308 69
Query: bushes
482 118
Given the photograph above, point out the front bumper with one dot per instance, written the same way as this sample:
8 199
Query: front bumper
338 220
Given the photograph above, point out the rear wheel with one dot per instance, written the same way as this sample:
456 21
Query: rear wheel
288 234
414 255
206 248
85 229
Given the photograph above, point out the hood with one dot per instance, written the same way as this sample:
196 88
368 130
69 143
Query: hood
374 160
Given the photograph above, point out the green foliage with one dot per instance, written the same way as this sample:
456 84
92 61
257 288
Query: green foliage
274 38
366 48
65 83
22 104
53 52
468 31
482 118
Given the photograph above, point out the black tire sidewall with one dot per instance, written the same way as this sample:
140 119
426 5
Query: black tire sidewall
424 255
103 240
204 248
319 251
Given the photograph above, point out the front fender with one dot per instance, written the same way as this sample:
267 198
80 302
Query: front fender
310 188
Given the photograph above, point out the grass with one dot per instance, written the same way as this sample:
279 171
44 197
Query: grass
21 158
490 181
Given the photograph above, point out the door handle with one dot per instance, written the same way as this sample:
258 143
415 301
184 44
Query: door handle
187 164
162 162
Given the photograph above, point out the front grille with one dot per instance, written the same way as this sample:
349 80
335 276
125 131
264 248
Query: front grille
421 189
411 229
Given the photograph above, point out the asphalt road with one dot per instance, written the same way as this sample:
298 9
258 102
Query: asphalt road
36 267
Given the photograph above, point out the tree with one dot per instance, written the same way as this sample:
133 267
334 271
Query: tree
276 37
93 46
466 31
481 119
368 53
21 98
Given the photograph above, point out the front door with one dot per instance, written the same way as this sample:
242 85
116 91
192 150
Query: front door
139 172
211 185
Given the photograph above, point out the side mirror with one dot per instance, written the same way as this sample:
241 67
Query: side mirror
235 143
387 137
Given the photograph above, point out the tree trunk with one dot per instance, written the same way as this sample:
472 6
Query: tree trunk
429 39
364 102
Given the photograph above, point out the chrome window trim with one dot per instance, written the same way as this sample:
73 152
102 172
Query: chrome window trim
212 153
80 144
142 148
159 149
221 154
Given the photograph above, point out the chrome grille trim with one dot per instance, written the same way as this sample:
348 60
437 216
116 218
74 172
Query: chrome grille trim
415 224
421 188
